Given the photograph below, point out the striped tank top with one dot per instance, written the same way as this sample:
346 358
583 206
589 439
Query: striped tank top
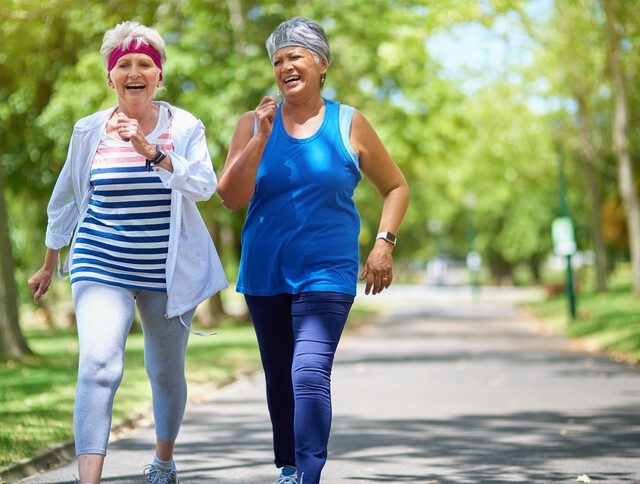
124 236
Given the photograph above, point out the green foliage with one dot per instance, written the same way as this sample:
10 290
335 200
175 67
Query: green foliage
454 144
509 166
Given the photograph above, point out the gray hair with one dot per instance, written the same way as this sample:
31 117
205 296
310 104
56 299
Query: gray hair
127 32
302 32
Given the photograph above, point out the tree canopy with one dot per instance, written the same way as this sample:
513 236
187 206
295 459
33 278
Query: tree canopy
479 148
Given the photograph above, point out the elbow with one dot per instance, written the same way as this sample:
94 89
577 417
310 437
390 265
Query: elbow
230 205
227 200
233 196
224 196
405 195
405 189
399 189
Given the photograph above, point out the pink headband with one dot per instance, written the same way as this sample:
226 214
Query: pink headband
139 49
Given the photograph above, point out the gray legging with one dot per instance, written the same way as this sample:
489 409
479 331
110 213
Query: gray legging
104 316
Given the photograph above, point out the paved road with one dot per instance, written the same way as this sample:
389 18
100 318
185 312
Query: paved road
444 389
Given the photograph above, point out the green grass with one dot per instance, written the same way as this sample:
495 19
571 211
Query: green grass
609 321
36 395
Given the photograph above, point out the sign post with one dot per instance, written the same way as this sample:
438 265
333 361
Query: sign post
564 245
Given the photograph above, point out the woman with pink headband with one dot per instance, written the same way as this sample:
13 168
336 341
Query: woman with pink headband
126 201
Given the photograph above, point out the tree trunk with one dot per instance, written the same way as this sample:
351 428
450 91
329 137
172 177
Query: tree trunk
237 25
534 266
214 308
12 343
621 142
590 158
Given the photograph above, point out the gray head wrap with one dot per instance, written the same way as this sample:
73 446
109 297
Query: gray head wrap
301 32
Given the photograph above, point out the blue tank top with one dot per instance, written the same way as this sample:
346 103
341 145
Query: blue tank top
302 226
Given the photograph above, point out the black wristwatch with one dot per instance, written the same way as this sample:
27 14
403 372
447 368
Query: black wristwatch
161 154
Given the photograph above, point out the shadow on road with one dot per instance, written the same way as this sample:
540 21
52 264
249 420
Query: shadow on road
470 448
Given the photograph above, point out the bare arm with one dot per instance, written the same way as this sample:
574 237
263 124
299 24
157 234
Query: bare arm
39 283
238 178
378 166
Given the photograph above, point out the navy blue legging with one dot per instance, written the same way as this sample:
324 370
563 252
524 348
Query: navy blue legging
298 335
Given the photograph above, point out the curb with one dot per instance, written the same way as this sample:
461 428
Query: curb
44 460
58 454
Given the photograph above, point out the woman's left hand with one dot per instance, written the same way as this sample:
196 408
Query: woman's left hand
378 270
129 130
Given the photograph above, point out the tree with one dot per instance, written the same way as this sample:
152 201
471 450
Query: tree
448 140
12 343
571 58
590 164
621 140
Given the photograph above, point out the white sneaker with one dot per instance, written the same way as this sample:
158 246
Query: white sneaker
160 475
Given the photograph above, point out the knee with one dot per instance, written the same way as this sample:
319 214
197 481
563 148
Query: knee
165 376
311 373
100 371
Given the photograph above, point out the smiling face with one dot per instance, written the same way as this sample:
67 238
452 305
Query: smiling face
135 78
297 71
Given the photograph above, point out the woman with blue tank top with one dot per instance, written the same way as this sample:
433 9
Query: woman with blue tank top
296 164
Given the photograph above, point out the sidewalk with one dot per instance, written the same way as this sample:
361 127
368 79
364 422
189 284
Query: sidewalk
443 389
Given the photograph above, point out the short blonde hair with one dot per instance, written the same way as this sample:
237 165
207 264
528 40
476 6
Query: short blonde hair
127 32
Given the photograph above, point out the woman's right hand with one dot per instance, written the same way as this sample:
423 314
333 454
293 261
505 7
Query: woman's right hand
39 283
265 115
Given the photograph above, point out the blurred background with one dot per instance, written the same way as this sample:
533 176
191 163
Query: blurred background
503 115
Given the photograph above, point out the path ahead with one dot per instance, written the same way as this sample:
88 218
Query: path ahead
442 390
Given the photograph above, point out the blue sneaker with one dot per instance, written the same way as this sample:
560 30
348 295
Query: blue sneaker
289 475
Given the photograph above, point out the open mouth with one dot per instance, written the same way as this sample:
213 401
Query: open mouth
289 80
134 87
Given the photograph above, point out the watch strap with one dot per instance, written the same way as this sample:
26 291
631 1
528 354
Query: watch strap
388 236
161 154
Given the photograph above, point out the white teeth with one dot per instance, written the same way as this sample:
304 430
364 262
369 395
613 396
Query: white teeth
289 79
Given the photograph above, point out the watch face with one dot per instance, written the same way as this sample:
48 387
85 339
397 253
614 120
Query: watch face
388 236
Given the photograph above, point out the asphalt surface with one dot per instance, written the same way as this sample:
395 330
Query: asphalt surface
444 388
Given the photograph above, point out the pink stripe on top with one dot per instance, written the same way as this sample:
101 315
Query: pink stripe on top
115 151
